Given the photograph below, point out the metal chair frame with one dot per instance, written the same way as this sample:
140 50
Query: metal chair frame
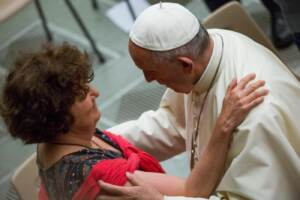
79 22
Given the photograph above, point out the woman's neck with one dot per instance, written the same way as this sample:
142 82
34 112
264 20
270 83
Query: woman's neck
76 136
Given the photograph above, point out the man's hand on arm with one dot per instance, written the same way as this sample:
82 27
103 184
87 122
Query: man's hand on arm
138 191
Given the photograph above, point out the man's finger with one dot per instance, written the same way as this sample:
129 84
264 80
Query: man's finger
134 179
105 197
112 189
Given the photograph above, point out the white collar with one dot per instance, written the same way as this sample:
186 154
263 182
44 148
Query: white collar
205 80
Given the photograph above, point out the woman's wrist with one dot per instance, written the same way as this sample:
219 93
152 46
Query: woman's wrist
224 126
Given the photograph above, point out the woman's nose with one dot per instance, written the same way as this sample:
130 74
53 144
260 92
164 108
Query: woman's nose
94 91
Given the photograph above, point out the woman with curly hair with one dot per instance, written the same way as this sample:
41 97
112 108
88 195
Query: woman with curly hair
47 100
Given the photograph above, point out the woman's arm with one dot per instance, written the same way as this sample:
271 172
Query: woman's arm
239 100
205 176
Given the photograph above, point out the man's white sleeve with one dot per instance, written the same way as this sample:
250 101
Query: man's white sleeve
160 132
191 198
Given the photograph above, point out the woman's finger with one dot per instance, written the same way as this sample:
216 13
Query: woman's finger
254 103
232 84
255 95
244 81
252 87
230 87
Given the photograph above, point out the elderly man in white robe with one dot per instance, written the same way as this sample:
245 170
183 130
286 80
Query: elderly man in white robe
263 161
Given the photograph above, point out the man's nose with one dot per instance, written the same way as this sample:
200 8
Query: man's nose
149 78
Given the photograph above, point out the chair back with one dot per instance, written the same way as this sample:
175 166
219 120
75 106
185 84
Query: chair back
232 16
26 179
10 7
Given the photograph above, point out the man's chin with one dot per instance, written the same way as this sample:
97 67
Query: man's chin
178 90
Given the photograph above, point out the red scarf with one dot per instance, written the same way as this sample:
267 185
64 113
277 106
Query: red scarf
113 171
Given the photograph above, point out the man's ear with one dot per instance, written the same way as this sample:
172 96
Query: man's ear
186 63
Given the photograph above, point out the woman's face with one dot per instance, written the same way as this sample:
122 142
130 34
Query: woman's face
85 112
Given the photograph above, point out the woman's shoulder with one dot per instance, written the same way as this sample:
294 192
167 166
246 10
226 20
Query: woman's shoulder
83 158
69 172
80 161
48 155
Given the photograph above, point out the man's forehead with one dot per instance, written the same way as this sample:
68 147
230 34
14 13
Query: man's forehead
138 52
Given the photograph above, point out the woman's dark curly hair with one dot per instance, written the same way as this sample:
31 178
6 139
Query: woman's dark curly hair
40 89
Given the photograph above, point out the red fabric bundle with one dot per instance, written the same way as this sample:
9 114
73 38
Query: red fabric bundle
113 171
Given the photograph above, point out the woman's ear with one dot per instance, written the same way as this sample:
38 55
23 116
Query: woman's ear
186 63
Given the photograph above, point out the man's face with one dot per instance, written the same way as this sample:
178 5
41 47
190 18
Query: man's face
170 74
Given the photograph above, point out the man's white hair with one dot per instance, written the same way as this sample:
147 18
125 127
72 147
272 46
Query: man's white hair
192 49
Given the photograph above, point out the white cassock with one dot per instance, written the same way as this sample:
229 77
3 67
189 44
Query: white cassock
263 161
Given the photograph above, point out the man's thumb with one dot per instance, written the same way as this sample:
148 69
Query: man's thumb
134 179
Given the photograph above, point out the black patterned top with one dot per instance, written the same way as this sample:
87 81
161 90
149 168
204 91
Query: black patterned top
63 178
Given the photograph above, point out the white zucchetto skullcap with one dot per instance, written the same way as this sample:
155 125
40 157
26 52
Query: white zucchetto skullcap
164 26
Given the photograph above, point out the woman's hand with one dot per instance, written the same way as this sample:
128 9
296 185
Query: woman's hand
240 98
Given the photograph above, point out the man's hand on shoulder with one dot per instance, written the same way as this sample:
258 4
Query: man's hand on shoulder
138 191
